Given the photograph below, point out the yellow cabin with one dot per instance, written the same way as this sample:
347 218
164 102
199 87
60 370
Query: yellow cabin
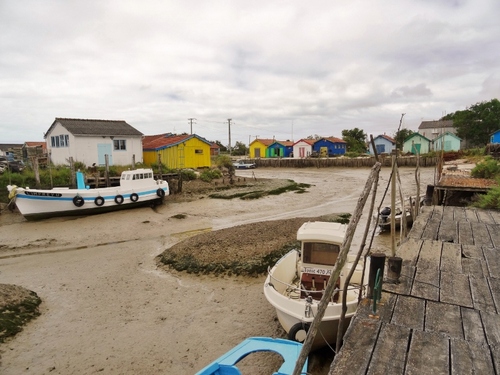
258 148
177 151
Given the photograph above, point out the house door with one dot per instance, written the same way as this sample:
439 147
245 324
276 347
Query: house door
302 152
104 149
380 148
257 152
415 148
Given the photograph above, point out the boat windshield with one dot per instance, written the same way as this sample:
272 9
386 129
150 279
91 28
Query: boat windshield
320 253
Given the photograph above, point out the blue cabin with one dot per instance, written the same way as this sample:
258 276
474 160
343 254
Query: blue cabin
280 149
383 144
495 137
330 147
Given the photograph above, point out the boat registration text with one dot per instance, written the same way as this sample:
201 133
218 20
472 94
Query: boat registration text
316 271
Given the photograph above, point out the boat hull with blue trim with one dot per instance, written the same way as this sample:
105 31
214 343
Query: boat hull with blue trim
137 188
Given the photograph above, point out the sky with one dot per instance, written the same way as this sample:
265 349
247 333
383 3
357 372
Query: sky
277 69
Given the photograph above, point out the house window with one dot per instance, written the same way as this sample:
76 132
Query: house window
60 140
119 144
198 151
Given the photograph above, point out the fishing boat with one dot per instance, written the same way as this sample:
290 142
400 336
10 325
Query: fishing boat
384 218
226 364
296 283
137 187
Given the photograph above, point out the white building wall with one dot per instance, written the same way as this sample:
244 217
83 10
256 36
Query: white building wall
296 150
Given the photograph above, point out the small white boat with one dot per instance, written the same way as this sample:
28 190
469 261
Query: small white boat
296 284
137 187
384 218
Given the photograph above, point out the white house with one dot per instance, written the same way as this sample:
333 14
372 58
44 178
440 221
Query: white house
88 141
302 148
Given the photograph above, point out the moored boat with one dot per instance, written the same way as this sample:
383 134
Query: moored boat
296 283
384 218
137 187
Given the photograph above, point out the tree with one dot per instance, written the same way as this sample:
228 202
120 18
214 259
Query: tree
239 149
400 137
355 139
221 146
476 123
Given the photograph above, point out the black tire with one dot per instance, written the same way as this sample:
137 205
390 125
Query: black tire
78 201
119 199
134 197
160 193
99 201
298 332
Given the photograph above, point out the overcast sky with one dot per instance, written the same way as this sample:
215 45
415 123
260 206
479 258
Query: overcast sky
283 69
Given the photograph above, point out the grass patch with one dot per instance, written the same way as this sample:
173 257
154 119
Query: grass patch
179 216
244 267
14 317
256 194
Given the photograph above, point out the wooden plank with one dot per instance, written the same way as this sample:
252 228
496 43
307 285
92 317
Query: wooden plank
405 282
473 326
389 356
492 259
495 214
484 216
459 214
420 223
494 231
356 352
455 289
448 230
470 214
465 233
495 291
444 318
409 312
426 283
384 309
491 323
470 358
409 251
473 267
431 229
481 235
481 295
428 354
472 251
451 257
437 212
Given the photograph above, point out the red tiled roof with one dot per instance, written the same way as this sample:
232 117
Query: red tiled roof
264 141
335 140
305 140
36 144
392 140
153 142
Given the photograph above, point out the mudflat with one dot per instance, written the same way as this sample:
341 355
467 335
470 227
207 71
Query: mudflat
108 308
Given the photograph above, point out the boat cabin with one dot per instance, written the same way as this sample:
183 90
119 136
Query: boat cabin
137 178
320 248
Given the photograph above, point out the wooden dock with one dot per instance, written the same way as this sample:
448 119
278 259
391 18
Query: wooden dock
444 315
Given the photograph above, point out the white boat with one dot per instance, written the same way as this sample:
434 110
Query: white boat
296 284
137 187
384 218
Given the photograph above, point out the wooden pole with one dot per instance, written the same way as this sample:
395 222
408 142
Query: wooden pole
73 176
106 169
330 288
393 206
417 180
34 163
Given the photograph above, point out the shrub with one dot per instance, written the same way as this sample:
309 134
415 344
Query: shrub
188 174
491 200
210 174
488 168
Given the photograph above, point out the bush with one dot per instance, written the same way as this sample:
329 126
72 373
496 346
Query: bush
188 174
488 168
491 200
210 174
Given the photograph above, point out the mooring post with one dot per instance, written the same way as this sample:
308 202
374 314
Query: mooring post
377 262
395 264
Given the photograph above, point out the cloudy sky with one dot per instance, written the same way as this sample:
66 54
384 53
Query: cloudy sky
283 69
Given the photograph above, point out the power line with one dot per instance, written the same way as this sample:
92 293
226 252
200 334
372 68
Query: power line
191 124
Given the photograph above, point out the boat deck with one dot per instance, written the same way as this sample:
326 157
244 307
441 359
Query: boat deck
444 315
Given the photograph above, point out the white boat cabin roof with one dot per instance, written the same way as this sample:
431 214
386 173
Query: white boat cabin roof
137 177
322 231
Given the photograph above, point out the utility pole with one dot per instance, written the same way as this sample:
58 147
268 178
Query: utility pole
229 128
191 124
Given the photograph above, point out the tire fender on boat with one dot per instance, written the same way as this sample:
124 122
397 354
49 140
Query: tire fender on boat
78 201
134 197
119 199
160 192
298 332
99 201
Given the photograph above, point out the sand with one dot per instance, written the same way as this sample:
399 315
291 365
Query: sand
107 308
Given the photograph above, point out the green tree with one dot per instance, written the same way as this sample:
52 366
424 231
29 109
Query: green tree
476 123
221 146
400 137
239 149
355 139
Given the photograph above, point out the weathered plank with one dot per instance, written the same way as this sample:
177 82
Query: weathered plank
390 351
426 283
428 354
480 234
455 289
356 352
465 233
470 214
448 230
409 312
494 231
431 229
384 308
495 214
444 318
471 251
495 290
470 358
492 259
473 327
481 295
437 212
420 223
473 267
409 251
484 216
491 323
459 214
451 257
405 282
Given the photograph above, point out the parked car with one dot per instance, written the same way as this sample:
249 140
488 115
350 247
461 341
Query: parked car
243 164
13 165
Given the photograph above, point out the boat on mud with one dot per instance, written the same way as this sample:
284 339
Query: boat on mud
137 188
384 218
296 283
